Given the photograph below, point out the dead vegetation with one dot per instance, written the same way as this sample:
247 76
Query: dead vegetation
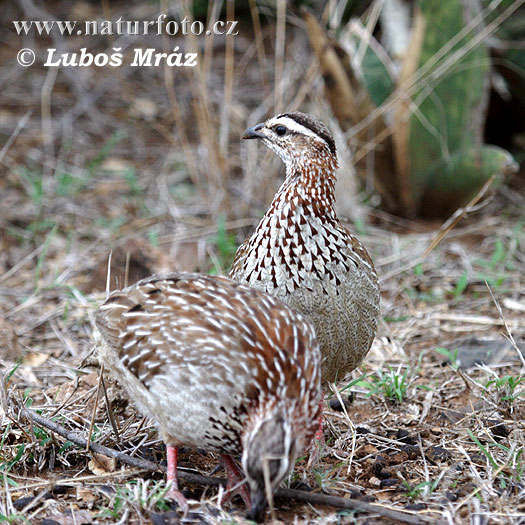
148 165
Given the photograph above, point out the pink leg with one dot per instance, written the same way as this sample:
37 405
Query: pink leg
171 475
236 482
318 441
319 436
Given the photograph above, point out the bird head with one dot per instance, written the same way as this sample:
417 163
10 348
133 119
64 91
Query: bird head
294 136
268 455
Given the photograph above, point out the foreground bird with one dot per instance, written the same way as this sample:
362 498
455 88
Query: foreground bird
303 255
218 366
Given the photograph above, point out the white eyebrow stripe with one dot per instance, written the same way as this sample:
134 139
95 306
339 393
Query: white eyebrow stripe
292 125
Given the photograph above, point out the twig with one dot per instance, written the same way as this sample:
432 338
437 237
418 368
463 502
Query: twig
279 54
109 410
45 111
259 45
360 506
21 263
95 405
198 479
21 123
510 337
450 223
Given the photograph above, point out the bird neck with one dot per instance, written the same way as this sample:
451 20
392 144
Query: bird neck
268 435
309 183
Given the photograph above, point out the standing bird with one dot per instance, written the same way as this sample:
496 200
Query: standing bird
302 254
219 366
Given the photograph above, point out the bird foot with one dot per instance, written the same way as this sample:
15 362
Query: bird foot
176 495
236 483
318 443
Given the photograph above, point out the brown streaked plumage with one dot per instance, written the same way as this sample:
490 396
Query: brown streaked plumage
302 254
220 366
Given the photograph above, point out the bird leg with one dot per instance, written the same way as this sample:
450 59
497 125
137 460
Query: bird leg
318 441
171 476
319 435
236 482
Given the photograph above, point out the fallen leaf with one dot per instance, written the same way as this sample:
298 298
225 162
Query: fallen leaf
85 494
35 359
81 517
101 464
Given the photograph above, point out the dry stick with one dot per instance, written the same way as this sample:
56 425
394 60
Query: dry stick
126 270
450 223
197 479
306 87
95 405
259 45
21 263
191 162
370 26
64 403
505 324
207 118
279 54
214 9
45 110
109 410
224 126
18 129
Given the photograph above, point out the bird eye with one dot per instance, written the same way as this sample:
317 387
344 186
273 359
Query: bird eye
280 130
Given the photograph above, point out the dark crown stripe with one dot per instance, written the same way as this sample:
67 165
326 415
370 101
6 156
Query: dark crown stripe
313 125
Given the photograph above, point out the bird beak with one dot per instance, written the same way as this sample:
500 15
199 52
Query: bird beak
258 509
253 133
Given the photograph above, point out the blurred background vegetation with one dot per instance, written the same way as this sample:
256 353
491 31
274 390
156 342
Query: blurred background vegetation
425 99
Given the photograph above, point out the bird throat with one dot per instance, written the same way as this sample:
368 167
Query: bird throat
309 185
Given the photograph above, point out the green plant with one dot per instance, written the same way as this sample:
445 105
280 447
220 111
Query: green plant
130 175
115 508
425 488
427 296
226 246
460 287
506 386
517 465
451 355
494 270
68 185
513 468
354 382
42 435
43 253
399 319
153 237
33 183
325 477
12 518
145 494
105 150
392 385
6 465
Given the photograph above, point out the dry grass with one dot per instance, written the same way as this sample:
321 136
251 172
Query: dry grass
151 168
